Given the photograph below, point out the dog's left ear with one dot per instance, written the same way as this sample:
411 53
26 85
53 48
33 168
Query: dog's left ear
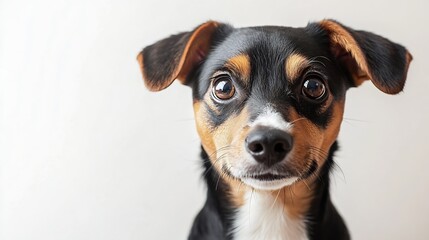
369 56
176 56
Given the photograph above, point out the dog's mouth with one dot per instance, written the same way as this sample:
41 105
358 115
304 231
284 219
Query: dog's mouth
268 181
266 177
273 180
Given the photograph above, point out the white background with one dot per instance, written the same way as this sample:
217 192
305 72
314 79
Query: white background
86 152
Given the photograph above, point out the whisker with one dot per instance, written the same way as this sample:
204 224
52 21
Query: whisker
217 183
224 148
320 153
274 203
239 186
356 120
185 119
284 198
291 194
296 120
336 166
250 203
306 184
217 161
313 60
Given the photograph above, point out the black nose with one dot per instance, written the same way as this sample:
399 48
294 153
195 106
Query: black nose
268 145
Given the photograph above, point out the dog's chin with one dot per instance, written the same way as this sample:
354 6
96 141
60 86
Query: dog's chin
268 184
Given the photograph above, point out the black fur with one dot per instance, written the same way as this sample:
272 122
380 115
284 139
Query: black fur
214 221
326 222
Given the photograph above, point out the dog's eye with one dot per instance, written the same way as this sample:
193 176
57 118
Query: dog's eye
313 88
223 88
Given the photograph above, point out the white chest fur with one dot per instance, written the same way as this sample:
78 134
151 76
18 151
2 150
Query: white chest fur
262 217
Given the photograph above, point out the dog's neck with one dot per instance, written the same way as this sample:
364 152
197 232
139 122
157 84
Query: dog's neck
271 215
278 214
300 211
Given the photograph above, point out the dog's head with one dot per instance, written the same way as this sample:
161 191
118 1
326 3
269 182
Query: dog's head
269 101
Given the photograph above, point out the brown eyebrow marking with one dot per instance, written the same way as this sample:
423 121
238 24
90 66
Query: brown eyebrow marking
295 64
240 64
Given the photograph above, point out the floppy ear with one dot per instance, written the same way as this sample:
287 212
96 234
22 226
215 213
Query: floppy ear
369 56
175 57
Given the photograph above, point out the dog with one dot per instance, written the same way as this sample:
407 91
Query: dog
268 105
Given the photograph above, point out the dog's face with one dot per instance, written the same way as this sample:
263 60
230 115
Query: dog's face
271 105
269 101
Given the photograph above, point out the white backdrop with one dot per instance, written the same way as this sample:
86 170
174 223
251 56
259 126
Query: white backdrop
86 152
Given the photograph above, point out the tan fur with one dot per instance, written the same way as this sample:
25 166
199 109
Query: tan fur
214 141
203 128
240 64
295 64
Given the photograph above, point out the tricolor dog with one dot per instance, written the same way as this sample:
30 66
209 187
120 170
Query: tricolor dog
268 105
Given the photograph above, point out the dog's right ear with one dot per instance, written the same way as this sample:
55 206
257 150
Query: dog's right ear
176 56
